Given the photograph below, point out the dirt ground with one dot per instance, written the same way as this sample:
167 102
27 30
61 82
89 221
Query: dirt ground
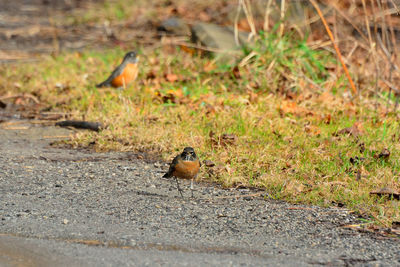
30 28
75 206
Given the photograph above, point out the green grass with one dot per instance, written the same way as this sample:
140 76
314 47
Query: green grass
285 126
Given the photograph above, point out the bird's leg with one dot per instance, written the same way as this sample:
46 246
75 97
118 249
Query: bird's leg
177 185
192 187
123 99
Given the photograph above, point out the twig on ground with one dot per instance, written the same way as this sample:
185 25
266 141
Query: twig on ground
94 126
25 95
299 208
55 136
235 196
16 128
247 58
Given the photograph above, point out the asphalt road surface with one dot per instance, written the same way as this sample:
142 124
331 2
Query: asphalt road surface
68 207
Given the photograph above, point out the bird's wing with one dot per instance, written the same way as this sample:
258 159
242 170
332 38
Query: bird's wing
172 167
118 71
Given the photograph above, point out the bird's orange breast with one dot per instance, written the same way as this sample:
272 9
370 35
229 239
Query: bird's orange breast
127 76
186 169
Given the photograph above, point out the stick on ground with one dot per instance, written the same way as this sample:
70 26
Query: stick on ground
94 126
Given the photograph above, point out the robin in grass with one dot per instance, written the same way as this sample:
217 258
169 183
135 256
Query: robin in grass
124 74
186 166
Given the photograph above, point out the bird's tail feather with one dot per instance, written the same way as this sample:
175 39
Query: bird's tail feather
100 85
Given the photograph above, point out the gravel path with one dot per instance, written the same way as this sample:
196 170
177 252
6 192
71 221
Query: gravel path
70 207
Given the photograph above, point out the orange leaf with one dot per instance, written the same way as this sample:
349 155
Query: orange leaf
177 93
171 77
209 66
188 50
291 107
313 130
326 97
327 119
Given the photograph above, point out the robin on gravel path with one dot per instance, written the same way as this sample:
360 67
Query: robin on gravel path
124 74
186 166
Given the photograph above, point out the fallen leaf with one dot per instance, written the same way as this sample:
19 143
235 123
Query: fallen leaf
216 171
292 95
356 160
243 25
291 107
326 97
288 107
336 183
208 163
236 72
312 130
210 109
151 75
327 119
362 147
209 66
385 153
253 97
173 96
228 139
190 50
223 140
361 173
171 77
151 118
355 130
294 187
